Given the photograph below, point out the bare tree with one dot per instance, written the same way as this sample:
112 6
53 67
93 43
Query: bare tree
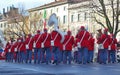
112 19
35 20
18 21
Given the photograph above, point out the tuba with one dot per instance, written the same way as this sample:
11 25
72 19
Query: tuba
54 21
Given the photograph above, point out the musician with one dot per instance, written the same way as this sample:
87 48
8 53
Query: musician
6 51
22 50
67 47
16 49
46 44
12 48
98 42
112 49
55 43
105 41
29 46
82 40
37 47
91 42
10 55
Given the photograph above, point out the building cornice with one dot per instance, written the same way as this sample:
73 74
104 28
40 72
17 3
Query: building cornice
49 5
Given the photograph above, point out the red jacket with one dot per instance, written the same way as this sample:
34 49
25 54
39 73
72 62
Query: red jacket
68 42
12 47
103 38
16 45
7 47
56 37
91 44
46 39
113 42
38 40
29 41
85 39
22 46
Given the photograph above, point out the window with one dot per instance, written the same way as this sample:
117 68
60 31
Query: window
57 10
64 19
4 25
78 17
72 16
64 8
85 16
51 11
1 25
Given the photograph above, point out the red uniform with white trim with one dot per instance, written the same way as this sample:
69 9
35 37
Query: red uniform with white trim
91 41
85 39
38 40
103 38
12 47
68 42
56 37
29 41
22 46
7 47
46 38
113 42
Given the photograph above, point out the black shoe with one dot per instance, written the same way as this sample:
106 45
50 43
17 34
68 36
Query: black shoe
42 62
34 62
53 62
79 62
46 63
104 63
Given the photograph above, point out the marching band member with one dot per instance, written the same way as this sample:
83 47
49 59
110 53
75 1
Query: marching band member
82 40
98 42
12 48
67 47
55 43
29 46
112 49
91 41
22 50
10 54
16 50
105 41
6 51
37 47
46 44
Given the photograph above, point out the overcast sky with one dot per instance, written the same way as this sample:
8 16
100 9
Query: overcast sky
27 3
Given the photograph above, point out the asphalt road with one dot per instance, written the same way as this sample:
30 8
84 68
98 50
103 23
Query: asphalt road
43 69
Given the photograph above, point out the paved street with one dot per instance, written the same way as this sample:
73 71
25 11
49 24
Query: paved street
38 69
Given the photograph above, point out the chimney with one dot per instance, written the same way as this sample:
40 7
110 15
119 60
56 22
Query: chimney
57 0
10 8
7 9
3 10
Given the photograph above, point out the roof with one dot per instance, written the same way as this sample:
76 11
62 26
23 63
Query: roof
56 3
52 4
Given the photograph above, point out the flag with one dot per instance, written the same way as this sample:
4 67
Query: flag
44 16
